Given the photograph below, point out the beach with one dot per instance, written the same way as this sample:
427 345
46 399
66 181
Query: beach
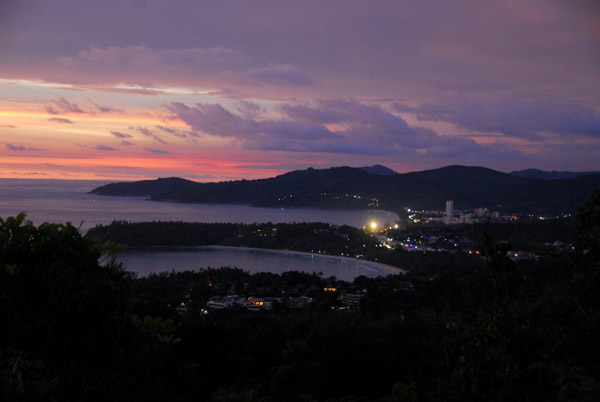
388 269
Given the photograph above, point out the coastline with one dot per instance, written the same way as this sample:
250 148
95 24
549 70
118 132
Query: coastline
388 269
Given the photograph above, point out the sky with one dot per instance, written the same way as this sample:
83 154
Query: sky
223 90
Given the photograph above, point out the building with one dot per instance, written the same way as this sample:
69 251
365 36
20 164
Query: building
259 303
449 212
219 303
181 309
352 300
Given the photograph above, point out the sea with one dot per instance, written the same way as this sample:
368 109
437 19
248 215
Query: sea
62 201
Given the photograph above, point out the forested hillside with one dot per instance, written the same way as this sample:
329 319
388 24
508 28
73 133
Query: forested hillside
472 330
355 188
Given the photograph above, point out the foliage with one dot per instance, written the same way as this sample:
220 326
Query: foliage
353 188
471 330
62 313
588 225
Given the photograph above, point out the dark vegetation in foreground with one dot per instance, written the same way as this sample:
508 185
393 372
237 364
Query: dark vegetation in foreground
492 330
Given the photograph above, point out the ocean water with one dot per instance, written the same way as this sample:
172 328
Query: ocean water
154 260
61 201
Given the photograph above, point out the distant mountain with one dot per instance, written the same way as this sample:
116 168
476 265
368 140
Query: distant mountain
553 175
144 188
378 170
354 188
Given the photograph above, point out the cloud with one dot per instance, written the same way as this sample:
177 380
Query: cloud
8 126
126 143
104 148
221 92
179 133
60 120
52 165
143 65
133 90
198 176
13 147
157 151
148 133
51 110
64 106
249 108
216 120
143 56
510 116
279 75
273 166
364 129
119 134
103 109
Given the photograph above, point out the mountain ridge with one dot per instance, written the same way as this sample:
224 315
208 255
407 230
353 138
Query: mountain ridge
354 188
550 175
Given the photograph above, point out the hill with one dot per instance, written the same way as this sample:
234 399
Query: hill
553 175
378 170
354 188
144 188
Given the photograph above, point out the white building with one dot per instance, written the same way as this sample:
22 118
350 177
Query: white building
449 212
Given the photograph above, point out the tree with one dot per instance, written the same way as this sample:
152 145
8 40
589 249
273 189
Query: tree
588 226
62 313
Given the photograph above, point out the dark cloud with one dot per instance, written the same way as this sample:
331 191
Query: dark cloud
138 65
279 75
148 133
103 109
510 116
467 149
126 143
365 129
313 114
13 147
249 108
216 120
179 133
64 106
104 148
157 151
52 165
119 134
51 110
60 120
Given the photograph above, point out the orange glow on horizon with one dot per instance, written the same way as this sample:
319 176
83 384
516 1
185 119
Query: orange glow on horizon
129 119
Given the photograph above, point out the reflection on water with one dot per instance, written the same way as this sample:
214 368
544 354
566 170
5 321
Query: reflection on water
61 201
146 261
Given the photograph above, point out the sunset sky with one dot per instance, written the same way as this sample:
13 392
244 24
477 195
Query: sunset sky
221 90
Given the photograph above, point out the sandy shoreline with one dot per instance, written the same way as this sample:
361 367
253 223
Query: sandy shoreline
388 269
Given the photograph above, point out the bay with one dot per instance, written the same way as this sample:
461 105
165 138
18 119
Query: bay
61 201
155 260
